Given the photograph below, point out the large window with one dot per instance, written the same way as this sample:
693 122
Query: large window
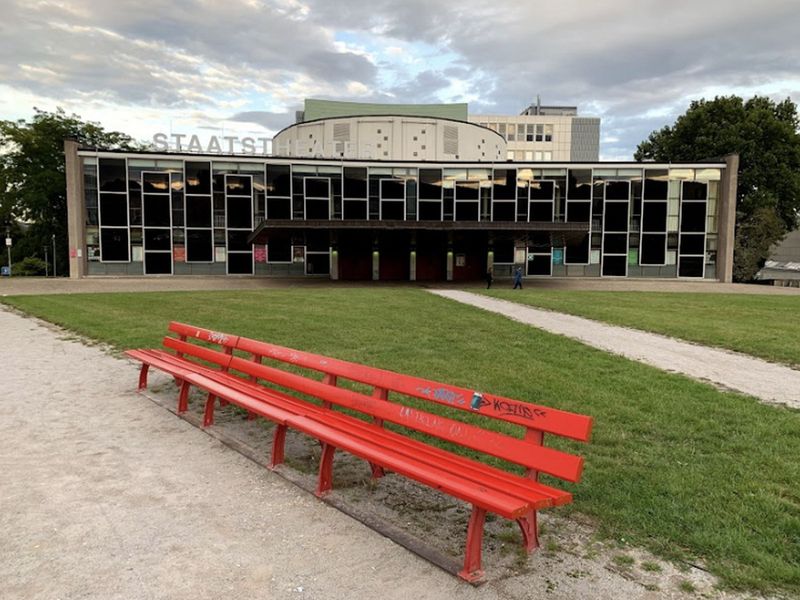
113 213
157 222
616 223
653 247
238 223
430 195
692 240
279 192
579 210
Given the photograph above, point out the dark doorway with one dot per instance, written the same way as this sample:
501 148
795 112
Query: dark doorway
431 256
469 260
355 255
394 256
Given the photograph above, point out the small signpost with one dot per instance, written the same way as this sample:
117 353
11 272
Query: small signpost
6 271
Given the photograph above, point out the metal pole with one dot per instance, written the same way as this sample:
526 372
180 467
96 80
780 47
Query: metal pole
8 235
46 263
54 255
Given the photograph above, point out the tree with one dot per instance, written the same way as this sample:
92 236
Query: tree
765 135
33 180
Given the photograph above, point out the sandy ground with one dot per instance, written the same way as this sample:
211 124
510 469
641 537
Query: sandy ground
769 382
40 285
105 494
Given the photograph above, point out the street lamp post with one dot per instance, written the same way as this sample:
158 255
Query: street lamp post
46 263
54 255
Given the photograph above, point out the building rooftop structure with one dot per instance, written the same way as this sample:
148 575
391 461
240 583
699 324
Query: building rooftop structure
783 265
315 109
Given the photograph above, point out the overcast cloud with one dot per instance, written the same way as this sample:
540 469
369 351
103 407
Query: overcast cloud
247 65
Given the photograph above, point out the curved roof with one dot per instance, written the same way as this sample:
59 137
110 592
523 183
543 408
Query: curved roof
326 109
387 116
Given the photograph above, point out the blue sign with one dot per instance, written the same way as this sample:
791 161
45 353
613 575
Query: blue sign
5 271
558 256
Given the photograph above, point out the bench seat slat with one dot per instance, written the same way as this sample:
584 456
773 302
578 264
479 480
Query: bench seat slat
213 337
504 505
207 354
554 462
540 417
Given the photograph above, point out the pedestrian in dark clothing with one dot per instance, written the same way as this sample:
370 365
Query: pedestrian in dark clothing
489 278
518 278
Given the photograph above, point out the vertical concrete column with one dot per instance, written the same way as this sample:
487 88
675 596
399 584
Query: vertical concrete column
76 207
450 264
726 222
412 265
334 264
376 265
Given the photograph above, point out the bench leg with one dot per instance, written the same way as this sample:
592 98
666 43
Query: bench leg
472 570
325 482
278 445
530 532
377 471
143 376
208 413
183 397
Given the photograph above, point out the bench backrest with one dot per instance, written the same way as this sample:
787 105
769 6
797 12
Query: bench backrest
528 452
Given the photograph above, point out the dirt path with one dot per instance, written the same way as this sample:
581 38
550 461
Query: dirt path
769 382
105 494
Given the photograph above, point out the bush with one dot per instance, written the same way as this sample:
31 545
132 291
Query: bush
29 267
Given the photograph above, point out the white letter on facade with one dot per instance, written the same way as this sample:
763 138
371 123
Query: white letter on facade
160 142
195 145
178 137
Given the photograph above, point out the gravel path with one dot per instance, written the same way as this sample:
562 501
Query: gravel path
106 495
769 382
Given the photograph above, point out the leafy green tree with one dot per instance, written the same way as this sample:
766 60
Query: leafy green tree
33 180
765 135
755 234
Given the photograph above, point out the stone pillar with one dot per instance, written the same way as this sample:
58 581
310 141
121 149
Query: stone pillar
334 264
76 209
412 265
726 222
376 265
449 264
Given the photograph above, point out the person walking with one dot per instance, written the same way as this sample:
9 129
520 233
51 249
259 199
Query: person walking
518 278
489 278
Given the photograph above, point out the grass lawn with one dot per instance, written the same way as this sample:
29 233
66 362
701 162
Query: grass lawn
674 465
767 326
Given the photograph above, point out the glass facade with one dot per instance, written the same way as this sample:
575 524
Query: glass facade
192 215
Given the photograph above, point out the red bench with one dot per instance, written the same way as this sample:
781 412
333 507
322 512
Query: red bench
231 371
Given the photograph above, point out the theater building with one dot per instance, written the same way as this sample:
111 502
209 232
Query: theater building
396 197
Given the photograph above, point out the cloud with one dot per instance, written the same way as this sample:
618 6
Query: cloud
268 120
635 64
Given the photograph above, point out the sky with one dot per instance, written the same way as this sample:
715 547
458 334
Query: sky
243 67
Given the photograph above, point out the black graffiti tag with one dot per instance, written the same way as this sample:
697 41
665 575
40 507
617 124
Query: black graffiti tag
518 410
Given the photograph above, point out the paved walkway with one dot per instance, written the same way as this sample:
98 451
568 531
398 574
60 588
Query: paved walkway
104 494
10 286
766 381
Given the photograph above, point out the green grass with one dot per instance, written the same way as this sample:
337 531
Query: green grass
767 326
674 465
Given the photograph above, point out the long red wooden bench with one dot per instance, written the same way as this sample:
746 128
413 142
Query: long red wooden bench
229 369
